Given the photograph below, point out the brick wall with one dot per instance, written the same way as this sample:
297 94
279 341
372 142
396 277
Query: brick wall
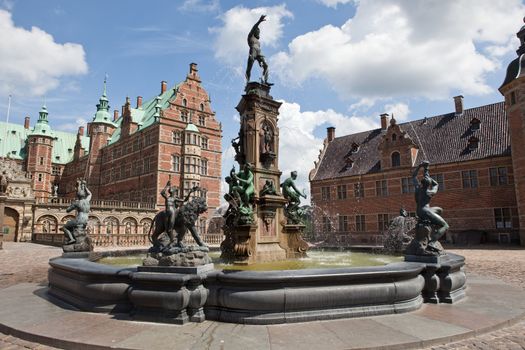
39 164
465 209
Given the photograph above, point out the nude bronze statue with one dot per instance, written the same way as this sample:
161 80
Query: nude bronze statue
255 51
82 207
425 190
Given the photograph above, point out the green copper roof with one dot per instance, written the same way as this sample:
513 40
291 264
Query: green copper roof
64 146
147 115
42 127
192 127
13 141
102 115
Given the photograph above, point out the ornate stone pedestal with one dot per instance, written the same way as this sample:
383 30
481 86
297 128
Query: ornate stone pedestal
296 247
445 279
167 296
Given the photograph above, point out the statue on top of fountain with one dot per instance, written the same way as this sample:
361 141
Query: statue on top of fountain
293 196
255 53
426 241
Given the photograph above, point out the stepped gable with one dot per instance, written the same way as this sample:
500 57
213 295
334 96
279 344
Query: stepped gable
440 139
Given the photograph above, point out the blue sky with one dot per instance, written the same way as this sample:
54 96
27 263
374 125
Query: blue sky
333 62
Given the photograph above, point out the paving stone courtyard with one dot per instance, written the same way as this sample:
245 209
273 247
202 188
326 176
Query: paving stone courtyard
26 262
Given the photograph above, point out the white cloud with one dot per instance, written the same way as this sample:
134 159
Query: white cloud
72 127
200 5
230 44
334 3
299 147
31 62
394 48
398 110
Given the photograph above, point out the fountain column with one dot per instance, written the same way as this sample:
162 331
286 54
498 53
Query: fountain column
268 237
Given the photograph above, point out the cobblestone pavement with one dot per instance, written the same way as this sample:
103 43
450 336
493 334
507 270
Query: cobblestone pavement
27 262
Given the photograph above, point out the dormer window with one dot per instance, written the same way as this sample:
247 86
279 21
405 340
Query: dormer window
394 137
354 148
473 143
13 132
349 163
475 124
69 150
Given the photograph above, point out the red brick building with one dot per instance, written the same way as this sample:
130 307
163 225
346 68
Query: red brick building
128 156
477 156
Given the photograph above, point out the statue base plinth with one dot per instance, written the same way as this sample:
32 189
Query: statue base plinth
82 242
179 257
236 246
422 245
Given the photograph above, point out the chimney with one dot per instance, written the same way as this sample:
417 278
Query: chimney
163 86
384 121
458 103
27 120
330 133
139 101
115 114
81 130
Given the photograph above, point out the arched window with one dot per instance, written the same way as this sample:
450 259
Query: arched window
184 102
202 107
396 159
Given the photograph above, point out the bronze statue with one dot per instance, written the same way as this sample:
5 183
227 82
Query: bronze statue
267 139
268 188
425 190
255 51
82 207
245 188
240 193
292 194
430 225
171 203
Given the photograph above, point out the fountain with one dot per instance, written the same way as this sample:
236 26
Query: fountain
263 223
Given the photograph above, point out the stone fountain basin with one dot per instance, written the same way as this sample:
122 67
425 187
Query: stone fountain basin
250 297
